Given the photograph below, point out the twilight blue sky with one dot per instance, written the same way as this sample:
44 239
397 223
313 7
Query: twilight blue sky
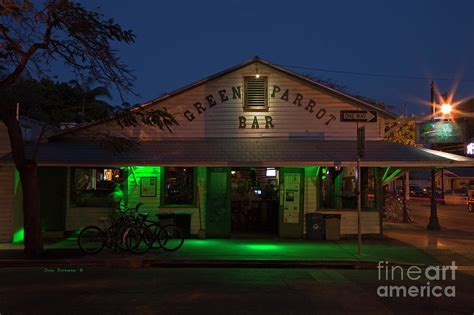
179 42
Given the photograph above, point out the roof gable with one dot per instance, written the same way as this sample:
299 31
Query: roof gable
213 85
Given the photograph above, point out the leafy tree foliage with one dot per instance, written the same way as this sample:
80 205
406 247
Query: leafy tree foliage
32 36
58 102
403 130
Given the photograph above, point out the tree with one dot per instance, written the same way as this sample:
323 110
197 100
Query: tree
32 36
58 102
402 130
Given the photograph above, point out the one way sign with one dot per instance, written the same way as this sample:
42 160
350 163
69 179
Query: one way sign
361 116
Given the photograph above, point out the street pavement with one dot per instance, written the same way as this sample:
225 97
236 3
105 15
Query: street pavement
455 241
451 217
218 291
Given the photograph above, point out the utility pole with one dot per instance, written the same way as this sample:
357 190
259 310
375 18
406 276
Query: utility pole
360 153
432 99
433 223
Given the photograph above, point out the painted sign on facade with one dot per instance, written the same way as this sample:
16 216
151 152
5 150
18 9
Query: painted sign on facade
439 132
470 148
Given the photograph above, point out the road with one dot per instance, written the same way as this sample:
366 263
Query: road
217 291
453 217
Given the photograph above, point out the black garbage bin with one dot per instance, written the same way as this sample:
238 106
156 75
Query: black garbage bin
183 221
315 226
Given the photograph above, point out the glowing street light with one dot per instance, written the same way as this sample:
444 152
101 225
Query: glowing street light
446 109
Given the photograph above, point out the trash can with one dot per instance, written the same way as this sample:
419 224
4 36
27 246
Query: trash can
333 226
314 226
183 221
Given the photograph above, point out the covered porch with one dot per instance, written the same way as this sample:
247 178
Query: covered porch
83 181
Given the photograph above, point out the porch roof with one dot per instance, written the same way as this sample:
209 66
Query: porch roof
243 152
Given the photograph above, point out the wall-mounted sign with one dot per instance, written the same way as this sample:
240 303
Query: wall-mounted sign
470 148
148 187
277 93
439 132
360 116
291 198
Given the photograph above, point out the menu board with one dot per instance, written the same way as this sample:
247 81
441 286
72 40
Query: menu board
291 198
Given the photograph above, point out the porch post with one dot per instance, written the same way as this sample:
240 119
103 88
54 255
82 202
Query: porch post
434 222
379 197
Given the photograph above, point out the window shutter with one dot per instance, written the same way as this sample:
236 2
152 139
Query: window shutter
256 92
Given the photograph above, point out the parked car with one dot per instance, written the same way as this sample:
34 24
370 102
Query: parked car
427 192
416 191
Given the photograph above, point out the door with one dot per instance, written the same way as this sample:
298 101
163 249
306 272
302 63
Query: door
53 183
291 202
218 214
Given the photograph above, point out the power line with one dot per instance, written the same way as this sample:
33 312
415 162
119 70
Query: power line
379 75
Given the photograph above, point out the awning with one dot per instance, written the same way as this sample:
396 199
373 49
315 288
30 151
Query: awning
244 152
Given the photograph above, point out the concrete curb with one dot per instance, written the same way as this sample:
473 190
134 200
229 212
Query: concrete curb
141 262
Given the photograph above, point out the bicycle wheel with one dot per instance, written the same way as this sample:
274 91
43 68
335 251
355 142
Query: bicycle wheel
138 239
171 238
117 235
91 240
155 230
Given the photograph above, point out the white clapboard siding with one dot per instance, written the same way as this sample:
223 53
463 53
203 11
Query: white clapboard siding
79 217
222 120
369 221
151 205
7 203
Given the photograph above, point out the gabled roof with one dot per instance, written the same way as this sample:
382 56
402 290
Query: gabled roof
341 95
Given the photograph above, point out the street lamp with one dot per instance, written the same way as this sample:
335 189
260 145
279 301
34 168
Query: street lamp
446 109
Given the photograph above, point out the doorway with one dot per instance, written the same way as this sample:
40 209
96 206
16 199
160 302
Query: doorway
254 201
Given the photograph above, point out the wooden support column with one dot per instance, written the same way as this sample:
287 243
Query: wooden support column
379 198
318 188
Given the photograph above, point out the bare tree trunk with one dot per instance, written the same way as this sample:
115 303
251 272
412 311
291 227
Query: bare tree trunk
31 209
28 171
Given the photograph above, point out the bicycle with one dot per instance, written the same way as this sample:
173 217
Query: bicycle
92 239
394 208
169 237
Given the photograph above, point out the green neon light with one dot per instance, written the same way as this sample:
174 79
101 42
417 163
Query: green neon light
385 174
318 168
324 170
395 173
324 177
19 236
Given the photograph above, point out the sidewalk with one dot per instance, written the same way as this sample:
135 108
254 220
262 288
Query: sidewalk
232 252
445 246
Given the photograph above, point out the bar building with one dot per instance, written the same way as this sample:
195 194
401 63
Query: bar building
257 147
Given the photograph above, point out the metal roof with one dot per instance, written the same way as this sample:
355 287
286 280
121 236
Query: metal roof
244 152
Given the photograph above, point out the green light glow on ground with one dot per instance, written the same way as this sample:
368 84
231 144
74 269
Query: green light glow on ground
19 236
263 247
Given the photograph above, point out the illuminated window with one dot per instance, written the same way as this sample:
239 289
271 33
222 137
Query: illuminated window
94 187
179 186
255 93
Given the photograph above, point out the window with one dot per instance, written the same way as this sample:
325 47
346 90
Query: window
179 186
96 187
255 93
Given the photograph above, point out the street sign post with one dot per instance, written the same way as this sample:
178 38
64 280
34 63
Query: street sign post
360 154
358 116
360 142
